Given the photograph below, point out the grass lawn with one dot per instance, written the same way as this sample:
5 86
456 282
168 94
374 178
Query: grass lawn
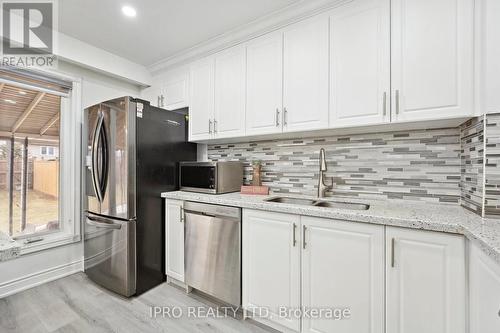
40 210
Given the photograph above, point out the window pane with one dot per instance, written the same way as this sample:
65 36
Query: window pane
34 207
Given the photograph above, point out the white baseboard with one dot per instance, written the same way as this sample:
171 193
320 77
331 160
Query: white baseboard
16 285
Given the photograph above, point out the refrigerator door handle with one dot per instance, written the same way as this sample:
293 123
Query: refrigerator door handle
103 141
95 181
101 223
100 156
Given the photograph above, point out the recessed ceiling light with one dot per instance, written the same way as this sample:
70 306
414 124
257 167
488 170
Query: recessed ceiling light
129 11
22 92
10 101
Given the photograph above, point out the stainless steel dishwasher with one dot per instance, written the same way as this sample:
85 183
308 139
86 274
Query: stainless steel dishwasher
212 260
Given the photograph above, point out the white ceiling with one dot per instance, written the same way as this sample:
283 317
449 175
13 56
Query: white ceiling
161 28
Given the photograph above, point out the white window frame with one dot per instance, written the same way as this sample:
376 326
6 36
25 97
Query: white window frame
70 175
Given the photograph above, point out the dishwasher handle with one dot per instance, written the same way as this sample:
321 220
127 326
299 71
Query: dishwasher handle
211 217
216 211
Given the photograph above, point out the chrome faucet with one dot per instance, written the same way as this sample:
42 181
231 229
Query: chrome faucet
322 187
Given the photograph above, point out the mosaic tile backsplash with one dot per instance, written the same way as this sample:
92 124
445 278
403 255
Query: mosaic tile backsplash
423 165
472 158
492 167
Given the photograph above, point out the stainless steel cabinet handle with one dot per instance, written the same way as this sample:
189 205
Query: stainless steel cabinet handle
215 126
393 241
304 228
294 238
277 117
285 116
384 103
162 101
209 126
181 220
397 101
159 102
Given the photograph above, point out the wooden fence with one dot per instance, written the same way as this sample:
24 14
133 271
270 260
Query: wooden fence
46 177
18 167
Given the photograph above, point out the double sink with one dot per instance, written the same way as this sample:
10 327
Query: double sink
319 203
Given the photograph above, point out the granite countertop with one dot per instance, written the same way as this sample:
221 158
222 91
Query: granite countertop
9 248
426 216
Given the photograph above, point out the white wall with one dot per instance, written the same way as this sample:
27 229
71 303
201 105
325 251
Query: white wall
36 268
97 87
88 56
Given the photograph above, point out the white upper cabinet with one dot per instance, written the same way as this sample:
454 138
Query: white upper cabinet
305 75
484 282
365 62
271 265
360 63
201 99
264 84
425 282
174 94
432 59
343 267
488 48
174 239
230 81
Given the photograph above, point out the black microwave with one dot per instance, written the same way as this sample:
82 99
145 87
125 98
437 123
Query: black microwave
211 177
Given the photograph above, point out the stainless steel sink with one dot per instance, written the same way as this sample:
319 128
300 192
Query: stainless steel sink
342 205
292 201
319 203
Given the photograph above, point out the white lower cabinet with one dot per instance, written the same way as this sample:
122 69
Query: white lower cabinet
174 239
373 278
343 269
484 293
425 282
271 266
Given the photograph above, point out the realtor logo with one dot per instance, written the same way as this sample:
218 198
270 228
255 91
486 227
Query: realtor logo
28 33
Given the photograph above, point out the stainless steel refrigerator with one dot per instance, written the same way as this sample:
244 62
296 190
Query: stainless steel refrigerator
133 150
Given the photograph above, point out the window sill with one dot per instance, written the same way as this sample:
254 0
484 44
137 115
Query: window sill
49 242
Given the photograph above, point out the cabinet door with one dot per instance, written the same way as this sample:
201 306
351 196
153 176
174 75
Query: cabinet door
230 78
343 268
153 93
175 92
201 99
488 53
271 265
264 84
305 75
484 281
432 59
425 282
174 239
360 63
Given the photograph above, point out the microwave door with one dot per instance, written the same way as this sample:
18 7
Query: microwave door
198 178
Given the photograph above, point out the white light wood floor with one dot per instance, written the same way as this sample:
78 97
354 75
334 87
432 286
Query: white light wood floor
75 304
